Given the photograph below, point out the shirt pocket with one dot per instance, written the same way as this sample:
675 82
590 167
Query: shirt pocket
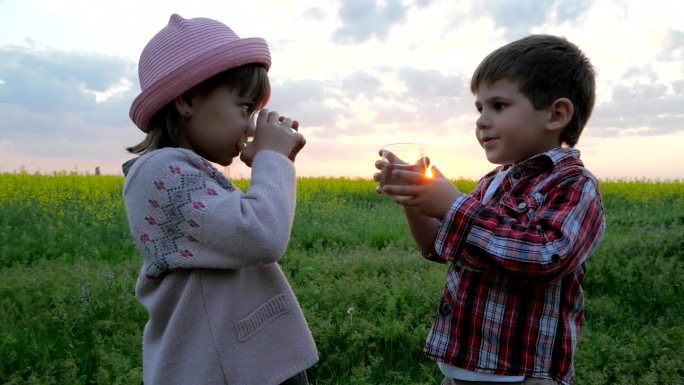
453 297
522 209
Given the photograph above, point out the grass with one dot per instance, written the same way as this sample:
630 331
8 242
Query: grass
68 268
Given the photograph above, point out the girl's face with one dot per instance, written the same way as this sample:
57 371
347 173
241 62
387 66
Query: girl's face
218 126
509 128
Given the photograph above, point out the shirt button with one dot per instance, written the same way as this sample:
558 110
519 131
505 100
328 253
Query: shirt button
444 309
517 175
522 205
555 258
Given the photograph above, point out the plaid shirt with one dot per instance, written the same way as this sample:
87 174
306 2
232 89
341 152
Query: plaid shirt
512 303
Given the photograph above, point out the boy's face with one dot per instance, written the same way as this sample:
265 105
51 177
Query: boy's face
509 128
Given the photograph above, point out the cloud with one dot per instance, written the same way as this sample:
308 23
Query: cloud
362 83
673 46
641 105
364 100
363 20
517 18
572 11
642 109
315 13
308 101
435 97
56 81
80 100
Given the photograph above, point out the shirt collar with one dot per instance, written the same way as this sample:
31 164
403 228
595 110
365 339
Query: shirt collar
550 159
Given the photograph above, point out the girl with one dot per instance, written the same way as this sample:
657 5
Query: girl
220 309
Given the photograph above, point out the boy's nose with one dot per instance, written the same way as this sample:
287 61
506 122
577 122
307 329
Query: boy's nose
482 122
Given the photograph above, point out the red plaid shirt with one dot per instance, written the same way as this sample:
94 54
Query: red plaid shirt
512 303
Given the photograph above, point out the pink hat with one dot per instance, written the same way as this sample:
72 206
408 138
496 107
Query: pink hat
184 54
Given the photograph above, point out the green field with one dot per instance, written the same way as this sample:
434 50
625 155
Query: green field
68 268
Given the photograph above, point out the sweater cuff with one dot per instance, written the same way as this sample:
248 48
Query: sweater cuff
273 163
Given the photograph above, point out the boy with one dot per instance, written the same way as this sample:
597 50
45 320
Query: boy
513 307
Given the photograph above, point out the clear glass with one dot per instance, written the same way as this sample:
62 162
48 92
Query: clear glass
402 154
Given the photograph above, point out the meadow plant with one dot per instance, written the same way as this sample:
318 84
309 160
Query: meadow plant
68 269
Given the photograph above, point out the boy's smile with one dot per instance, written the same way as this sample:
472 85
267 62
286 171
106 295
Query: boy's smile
509 128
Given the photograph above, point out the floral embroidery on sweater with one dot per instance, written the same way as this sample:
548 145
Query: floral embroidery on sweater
173 216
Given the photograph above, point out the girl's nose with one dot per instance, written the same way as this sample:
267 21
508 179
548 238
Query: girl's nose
251 126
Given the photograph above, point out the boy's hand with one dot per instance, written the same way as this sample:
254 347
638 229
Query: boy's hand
393 163
276 133
432 196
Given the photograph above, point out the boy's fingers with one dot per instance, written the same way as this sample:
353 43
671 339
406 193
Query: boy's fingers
396 189
388 156
437 173
409 176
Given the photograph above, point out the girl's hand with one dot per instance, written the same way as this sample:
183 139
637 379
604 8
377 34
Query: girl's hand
432 196
300 144
274 133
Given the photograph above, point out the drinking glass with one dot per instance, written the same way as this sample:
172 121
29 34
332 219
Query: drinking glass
409 156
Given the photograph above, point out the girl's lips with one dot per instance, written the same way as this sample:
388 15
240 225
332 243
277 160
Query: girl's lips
241 145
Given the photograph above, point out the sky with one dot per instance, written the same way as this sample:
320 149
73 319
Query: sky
356 74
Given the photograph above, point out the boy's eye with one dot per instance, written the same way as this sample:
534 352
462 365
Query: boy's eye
498 106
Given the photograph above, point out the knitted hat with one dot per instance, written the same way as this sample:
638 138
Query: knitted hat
185 53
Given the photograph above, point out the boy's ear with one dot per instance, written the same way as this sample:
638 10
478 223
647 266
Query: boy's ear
561 113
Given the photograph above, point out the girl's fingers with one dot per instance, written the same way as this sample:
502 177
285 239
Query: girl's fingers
300 142
273 117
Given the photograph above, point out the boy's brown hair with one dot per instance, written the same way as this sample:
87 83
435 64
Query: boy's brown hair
546 68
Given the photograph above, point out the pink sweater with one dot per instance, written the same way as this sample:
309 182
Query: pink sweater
220 308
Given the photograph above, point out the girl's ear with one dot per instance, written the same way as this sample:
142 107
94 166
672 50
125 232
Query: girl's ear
561 114
183 106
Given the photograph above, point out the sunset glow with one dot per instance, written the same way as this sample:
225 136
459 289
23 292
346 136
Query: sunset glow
356 75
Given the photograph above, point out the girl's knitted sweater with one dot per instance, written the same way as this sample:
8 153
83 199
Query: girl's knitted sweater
220 308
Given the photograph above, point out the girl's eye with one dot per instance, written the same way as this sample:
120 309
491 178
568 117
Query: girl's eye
248 109
499 106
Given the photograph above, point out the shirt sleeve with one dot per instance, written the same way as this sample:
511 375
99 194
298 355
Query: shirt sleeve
561 232
184 214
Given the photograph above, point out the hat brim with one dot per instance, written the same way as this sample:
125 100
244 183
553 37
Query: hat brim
189 74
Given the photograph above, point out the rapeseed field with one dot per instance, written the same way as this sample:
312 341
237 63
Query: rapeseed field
68 269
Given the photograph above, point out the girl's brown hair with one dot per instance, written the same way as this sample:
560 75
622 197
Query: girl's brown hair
249 79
